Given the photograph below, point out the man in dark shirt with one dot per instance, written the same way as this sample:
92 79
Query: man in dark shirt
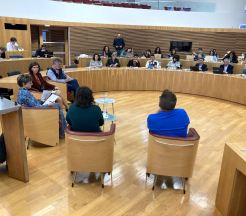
134 62
169 121
41 51
201 65
119 44
2 52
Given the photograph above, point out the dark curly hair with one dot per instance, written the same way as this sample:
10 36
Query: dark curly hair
156 50
33 64
84 97
99 59
176 57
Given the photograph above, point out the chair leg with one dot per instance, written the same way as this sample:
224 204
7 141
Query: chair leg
153 188
74 177
28 143
183 181
102 179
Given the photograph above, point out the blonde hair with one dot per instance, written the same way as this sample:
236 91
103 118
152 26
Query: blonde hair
114 54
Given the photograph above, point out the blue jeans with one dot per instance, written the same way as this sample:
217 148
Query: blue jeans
118 51
62 118
72 86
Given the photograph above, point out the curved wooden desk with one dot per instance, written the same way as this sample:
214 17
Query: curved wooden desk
230 88
238 68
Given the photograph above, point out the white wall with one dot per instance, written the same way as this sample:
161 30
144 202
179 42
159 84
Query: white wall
71 12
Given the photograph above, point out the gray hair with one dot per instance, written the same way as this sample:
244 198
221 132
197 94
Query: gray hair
226 59
57 60
23 79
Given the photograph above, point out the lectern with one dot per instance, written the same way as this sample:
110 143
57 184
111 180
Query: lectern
231 193
12 125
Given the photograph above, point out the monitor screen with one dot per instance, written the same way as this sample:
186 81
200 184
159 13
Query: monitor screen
181 46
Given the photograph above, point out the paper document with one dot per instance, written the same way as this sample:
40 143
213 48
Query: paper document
45 95
52 98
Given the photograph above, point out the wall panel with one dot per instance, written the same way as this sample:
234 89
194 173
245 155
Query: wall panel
91 40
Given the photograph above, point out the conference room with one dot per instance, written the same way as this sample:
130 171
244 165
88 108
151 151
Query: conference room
122 107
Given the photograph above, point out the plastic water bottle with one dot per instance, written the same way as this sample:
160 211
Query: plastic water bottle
102 98
106 98
159 65
105 112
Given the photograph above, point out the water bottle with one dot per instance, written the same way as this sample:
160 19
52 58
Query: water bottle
106 98
105 112
102 98
159 65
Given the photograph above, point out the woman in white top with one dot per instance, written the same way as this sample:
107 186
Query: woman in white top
12 44
174 63
96 61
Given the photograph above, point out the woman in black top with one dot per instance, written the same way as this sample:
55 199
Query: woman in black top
83 115
113 62
158 51
2 53
232 57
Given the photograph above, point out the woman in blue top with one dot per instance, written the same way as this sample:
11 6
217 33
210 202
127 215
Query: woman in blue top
25 98
212 53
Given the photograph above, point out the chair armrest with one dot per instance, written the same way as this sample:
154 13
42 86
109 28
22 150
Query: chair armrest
110 132
192 136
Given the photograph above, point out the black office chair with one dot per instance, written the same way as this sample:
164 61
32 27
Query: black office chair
12 73
15 56
41 69
5 92
71 66
76 55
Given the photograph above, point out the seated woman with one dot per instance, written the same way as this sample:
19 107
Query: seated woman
113 62
212 53
158 51
128 53
2 53
174 63
106 51
172 53
83 115
146 54
25 98
232 57
39 84
96 61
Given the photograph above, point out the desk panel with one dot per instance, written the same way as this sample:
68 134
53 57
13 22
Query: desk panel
25 53
22 64
231 88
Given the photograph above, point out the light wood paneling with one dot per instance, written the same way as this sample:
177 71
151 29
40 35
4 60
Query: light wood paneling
23 36
91 40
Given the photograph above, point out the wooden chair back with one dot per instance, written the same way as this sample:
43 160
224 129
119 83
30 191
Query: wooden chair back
90 152
172 156
41 124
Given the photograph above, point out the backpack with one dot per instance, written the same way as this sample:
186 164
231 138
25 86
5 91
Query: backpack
2 150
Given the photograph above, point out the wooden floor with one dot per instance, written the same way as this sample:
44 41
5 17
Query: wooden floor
49 191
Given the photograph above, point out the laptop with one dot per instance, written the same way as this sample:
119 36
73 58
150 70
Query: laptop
209 58
157 56
190 57
18 47
194 68
48 54
217 70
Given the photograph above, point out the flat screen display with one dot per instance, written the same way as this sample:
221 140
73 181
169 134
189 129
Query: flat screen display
181 46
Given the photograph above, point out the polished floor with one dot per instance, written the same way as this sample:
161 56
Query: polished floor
49 190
